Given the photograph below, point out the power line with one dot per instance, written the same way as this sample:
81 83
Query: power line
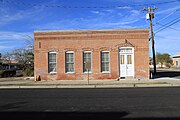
63 6
168 26
167 38
168 15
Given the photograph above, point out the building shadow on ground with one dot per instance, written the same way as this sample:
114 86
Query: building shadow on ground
163 73
73 115
11 106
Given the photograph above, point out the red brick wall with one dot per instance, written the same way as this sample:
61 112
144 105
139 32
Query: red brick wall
96 41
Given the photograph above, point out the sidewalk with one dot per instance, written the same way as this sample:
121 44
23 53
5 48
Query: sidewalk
30 83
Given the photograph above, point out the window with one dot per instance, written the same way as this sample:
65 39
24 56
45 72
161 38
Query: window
129 59
39 44
126 50
69 62
177 63
105 61
121 59
52 62
87 61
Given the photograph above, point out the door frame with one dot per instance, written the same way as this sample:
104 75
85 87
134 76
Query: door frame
132 53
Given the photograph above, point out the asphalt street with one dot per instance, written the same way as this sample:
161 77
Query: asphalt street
124 103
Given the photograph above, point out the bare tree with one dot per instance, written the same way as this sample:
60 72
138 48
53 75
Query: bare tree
24 57
29 42
7 57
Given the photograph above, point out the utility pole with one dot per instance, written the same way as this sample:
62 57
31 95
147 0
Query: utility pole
150 16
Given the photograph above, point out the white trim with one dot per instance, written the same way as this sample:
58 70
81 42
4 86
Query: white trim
69 72
52 52
87 51
56 63
53 73
87 72
73 62
105 72
105 51
69 51
101 62
83 60
126 53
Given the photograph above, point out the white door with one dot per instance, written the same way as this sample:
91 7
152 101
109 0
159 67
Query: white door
122 66
129 65
126 62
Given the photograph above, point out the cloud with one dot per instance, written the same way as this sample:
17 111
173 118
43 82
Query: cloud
96 23
125 7
110 18
103 12
165 11
167 41
109 11
135 12
12 40
9 15
13 35
4 47
95 12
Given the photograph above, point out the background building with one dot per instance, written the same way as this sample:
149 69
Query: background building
176 60
109 54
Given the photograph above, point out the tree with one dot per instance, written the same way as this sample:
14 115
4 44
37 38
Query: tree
29 42
23 56
6 58
163 58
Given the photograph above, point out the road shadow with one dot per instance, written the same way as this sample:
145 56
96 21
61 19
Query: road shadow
12 106
63 115
163 73
73 115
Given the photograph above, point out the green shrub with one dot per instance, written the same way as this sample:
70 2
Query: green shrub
29 72
7 73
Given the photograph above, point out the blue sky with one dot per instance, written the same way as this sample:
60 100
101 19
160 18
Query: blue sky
20 18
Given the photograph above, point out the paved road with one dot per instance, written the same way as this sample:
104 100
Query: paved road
127 103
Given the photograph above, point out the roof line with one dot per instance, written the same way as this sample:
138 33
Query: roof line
127 29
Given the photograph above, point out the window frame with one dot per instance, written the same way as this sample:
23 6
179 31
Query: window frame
49 63
90 61
108 62
67 52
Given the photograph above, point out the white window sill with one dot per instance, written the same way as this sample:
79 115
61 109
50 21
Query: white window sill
106 72
87 72
70 72
53 73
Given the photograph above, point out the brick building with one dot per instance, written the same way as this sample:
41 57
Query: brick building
105 54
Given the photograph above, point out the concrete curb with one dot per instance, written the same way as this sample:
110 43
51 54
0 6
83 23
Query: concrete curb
89 86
